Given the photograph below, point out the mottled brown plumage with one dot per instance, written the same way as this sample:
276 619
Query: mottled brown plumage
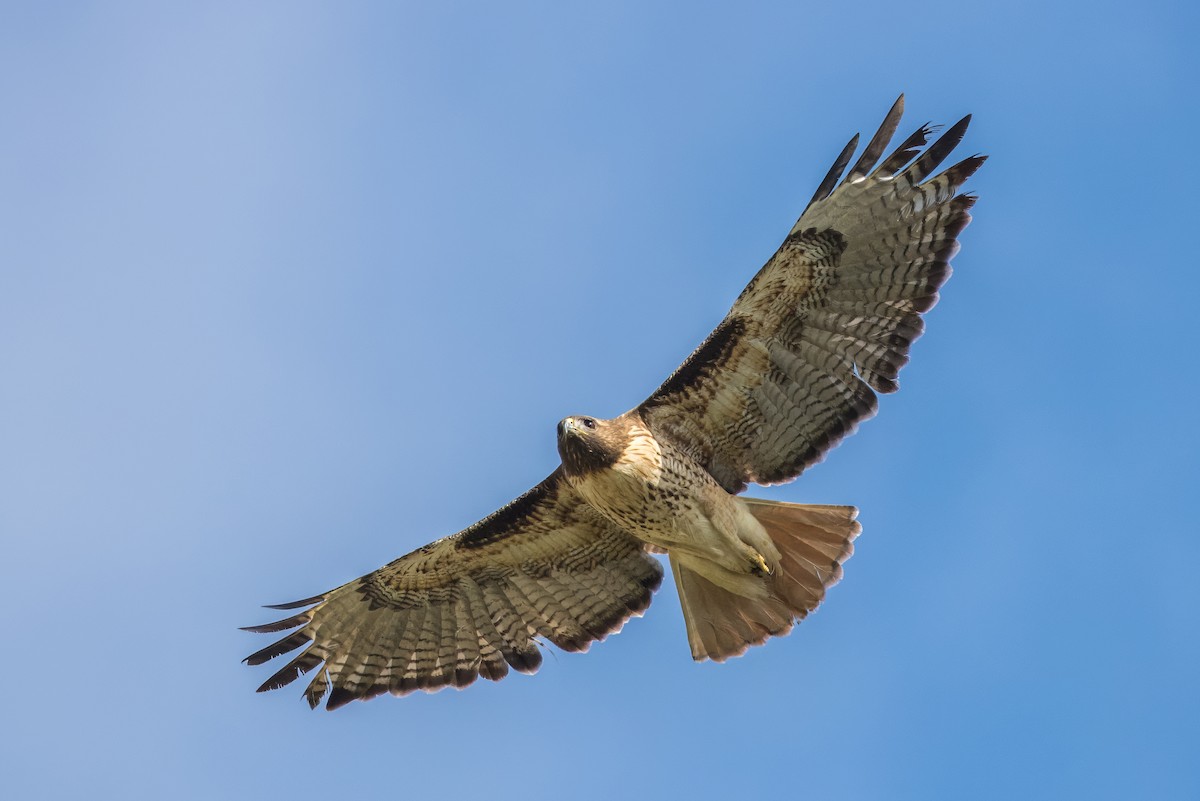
792 369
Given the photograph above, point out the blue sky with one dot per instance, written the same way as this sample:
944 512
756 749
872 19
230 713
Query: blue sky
291 289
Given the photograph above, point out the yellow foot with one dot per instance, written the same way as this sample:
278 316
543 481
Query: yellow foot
759 566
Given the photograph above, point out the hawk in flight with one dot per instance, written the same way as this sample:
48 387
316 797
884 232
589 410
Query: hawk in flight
793 368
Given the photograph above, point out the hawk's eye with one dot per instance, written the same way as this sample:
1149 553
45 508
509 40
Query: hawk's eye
588 422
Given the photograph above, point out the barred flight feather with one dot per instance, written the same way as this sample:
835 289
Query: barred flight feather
837 321
878 143
445 615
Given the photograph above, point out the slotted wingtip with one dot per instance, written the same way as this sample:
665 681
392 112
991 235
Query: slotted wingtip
879 142
316 599
279 625
338 698
906 151
289 643
835 172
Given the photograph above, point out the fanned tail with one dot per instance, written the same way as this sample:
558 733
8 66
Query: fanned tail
813 542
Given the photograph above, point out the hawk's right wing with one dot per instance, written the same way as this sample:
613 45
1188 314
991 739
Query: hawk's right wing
471 604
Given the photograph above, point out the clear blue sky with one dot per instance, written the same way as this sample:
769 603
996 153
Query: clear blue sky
289 289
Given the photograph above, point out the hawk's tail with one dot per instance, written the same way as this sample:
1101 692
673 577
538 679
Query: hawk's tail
813 542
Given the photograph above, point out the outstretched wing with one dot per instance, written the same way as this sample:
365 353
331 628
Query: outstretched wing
828 321
471 604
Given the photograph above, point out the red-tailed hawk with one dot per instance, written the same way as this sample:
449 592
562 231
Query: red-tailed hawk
792 369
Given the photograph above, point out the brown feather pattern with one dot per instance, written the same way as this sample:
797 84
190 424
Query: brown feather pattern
472 604
828 322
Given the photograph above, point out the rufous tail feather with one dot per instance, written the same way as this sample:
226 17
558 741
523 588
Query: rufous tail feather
813 542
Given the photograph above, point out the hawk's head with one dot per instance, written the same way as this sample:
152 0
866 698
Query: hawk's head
586 444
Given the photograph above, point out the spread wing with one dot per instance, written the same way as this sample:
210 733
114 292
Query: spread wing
828 321
471 604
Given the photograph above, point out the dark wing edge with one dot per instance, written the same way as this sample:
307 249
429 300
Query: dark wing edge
829 320
469 605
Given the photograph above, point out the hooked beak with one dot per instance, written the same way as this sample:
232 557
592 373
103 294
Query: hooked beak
567 426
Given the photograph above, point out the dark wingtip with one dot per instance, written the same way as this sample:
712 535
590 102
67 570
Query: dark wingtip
964 169
907 150
879 142
297 604
937 152
279 625
316 688
835 172
288 643
338 698
291 671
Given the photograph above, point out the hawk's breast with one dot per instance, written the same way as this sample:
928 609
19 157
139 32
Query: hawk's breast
653 490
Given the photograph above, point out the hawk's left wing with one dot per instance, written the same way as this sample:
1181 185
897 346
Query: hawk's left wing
828 321
471 604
